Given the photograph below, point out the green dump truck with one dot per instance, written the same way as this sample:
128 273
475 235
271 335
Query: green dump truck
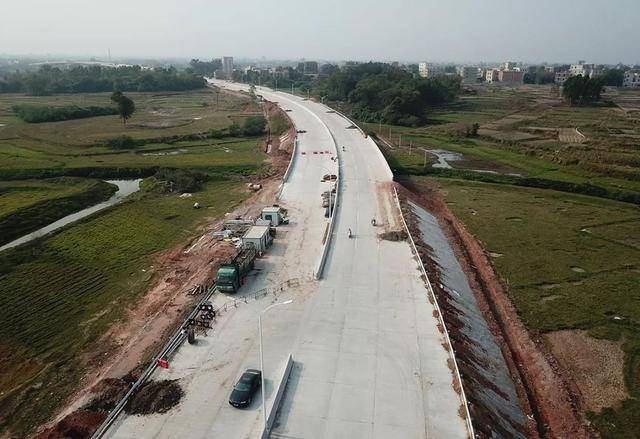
230 276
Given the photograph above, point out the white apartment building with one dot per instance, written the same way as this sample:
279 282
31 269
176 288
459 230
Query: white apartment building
429 71
492 75
631 79
583 69
561 77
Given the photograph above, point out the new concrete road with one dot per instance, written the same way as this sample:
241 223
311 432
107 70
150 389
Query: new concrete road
370 361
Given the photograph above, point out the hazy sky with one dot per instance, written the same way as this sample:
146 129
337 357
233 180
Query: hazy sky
436 30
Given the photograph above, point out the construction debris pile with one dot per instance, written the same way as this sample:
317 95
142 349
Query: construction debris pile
155 397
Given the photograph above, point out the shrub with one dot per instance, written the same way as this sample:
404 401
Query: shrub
122 142
235 130
254 126
216 134
181 180
42 113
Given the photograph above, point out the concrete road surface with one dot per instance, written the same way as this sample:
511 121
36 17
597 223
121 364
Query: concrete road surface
370 361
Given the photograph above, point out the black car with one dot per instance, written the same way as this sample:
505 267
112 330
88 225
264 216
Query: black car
245 388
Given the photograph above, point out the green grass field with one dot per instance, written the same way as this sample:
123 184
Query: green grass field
609 158
62 293
570 261
27 205
30 149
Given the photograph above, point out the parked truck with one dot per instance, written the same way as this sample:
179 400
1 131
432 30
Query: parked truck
230 276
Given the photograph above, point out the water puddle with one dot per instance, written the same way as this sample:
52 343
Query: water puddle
444 157
163 153
488 384
125 188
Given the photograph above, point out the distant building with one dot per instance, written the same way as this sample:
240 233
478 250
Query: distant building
511 76
491 76
583 69
561 77
310 68
227 67
429 71
510 65
631 79
469 75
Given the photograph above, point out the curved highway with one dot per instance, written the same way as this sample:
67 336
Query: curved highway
370 361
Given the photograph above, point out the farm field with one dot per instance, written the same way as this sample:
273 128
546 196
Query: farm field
60 293
571 264
26 205
158 124
527 130
83 278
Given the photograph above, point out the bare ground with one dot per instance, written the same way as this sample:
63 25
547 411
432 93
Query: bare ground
597 366
544 388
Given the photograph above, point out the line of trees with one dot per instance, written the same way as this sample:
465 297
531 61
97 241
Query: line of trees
380 92
42 113
539 75
93 79
205 68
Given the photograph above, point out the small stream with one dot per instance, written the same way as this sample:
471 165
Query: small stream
488 384
125 188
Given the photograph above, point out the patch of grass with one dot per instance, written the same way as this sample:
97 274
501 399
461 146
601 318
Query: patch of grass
570 261
62 292
81 143
608 158
28 205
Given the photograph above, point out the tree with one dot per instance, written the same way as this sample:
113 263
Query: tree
613 77
126 107
582 90
254 126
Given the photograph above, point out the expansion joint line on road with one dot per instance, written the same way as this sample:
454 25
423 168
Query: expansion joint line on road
440 317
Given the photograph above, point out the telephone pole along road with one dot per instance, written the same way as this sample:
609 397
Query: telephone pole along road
370 361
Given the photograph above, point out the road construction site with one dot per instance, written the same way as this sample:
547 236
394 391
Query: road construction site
370 355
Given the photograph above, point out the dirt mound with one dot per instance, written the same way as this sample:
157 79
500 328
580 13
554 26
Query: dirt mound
394 235
155 397
596 365
109 392
78 425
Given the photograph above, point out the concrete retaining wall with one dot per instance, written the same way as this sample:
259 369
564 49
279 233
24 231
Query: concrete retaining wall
271 417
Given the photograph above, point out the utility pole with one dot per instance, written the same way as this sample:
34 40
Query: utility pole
292 88
425 159
276 84
410 142
308 93
400 141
